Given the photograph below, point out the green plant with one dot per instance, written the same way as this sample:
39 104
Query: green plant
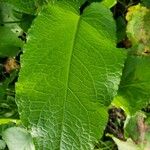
71 74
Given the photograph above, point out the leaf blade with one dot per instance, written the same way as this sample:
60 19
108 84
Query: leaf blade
77 96
133 93
18 138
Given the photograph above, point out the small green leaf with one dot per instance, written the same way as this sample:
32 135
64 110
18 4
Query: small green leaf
10 18
18 139
26 6
135 124
2 145
146 3
126 145
138 125
10 44
7 121
109 3
34 6
135 84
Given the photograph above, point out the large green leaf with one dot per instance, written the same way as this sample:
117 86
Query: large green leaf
70 72
135 84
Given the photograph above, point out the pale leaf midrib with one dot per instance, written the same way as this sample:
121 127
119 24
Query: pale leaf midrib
68 74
